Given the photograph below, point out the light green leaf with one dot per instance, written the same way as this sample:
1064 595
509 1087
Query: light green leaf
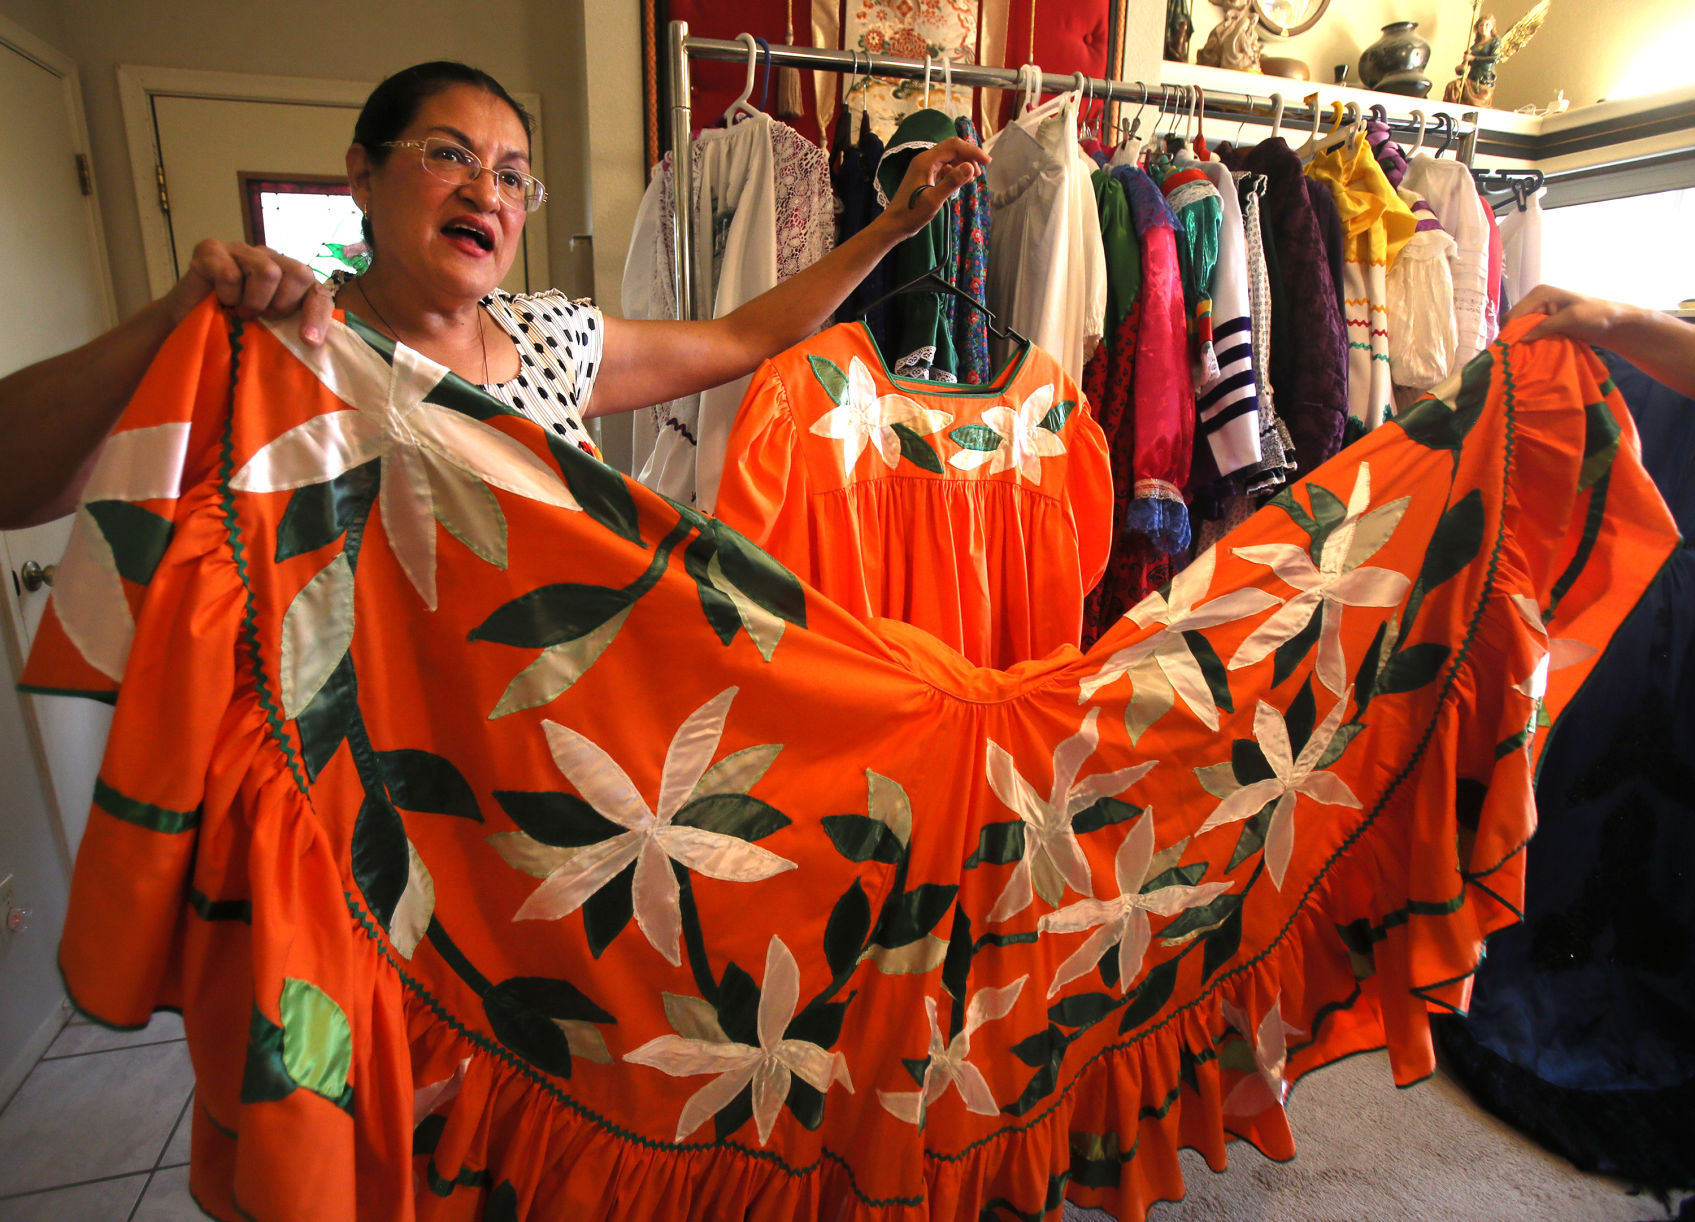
913 959
763 628
736 773
585 1040
887 803
1218 779
317 1046
316 632
417 906
558 668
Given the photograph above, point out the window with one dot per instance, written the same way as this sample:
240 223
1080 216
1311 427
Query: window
1635 249
307 218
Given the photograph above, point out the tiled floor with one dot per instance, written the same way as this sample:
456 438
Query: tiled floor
98 1132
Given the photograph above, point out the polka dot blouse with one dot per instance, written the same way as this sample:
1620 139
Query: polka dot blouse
559 345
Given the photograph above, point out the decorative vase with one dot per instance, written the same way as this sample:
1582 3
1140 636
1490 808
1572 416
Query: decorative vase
1293 69
1399 51
1409 84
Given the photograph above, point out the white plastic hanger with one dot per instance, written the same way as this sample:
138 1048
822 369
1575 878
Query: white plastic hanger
741 108
1276 114
1419 143
947 83
1315 141
926 80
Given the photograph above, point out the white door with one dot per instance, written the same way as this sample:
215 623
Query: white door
50 747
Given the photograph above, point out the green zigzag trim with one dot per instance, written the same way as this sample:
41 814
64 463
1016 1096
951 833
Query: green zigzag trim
368 923
238 550
1455 663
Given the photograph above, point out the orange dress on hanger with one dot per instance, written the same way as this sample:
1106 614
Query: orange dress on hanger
981 514
519 844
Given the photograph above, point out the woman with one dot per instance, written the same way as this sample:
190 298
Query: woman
440 166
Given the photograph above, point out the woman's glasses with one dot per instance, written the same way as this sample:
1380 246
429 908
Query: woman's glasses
458 165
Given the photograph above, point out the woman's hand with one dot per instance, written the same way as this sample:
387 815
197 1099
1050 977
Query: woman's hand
932 178
254 281
1589 319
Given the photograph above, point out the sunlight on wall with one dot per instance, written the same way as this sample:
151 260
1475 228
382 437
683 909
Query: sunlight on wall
1663 62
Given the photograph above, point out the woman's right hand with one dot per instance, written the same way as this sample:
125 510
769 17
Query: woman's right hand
254 281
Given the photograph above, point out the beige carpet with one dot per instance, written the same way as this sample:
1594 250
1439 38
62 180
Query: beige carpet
1372 1153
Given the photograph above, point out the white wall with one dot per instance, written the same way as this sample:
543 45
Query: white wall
534 45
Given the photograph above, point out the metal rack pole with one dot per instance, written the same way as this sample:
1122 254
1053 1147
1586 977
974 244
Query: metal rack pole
682 168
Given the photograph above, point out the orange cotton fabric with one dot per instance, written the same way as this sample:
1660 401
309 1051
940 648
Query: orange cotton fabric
981 514
520 844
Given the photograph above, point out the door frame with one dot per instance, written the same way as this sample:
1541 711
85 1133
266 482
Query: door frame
138 85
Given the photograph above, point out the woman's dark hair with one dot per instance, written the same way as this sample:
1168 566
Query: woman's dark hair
394 104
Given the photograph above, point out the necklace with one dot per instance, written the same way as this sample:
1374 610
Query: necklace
482 336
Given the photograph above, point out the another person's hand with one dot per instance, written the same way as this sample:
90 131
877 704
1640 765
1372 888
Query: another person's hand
1588 319
254 281
931 179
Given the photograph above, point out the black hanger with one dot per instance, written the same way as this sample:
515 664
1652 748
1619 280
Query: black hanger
933 281
1445 121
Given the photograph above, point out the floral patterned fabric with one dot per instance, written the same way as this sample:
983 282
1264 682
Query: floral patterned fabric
981 516
574 860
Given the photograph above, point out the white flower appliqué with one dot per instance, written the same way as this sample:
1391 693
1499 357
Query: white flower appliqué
867 419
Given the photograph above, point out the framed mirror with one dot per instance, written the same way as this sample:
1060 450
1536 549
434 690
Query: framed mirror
1287 18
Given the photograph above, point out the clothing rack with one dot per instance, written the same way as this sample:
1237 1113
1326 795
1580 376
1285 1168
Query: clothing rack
682 48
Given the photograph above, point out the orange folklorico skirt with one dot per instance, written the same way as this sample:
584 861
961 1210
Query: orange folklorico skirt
520 845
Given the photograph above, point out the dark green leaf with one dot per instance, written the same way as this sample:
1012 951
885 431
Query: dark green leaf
1365 680
805 1103
1058 414
1328 510
1222 944
819 1023
1107 966
998 844
1082 1010
1041 1085
1301 717
1344 735
916 1067
138 537
1046 1047
422 781
1249 762
1286 501
1474 392
1212 669
455 393
551 615
427 1135
1150 996
1430 422
734 1114
917 451
381 863
1600 443
909 917
757 574
1454 544
1103 812
320 513
975 437
1291 653
562 820
844 936
522 1013
738 1006
502 1204
264 1077
1252 839
322 724
608 911
956 965
862 838
602 491
1207 915
1412 668
732 814
1178 876
830 377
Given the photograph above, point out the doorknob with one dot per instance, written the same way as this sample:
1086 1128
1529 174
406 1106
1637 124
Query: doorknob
34 576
